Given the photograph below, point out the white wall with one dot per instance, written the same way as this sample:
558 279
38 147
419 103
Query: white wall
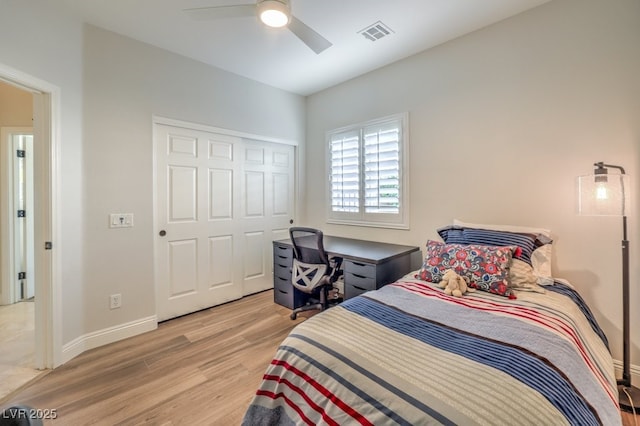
501 123
44 43
126 83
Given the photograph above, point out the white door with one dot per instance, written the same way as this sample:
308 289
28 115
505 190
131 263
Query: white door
268 172
214 217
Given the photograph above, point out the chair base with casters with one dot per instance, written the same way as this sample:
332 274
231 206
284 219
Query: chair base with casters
320 306
323 289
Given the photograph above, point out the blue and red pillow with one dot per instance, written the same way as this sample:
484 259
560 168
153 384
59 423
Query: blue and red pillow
486 267
528 242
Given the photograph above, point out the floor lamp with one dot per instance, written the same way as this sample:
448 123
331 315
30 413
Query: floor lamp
602 194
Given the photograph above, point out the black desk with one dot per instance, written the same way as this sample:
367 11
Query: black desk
367 265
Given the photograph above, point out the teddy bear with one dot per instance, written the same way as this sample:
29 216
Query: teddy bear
455 284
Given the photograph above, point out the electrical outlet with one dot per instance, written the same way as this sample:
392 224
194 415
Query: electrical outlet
115 301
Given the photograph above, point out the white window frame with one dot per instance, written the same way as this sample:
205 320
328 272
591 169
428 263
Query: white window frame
398 220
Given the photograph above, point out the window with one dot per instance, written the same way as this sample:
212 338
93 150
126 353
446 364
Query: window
368 173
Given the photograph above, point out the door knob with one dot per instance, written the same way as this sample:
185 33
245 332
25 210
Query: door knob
162 233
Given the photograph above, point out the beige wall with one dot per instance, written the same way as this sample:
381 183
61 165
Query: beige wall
501 123
16 106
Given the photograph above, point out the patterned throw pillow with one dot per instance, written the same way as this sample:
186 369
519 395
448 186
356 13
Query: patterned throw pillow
522 274
486 267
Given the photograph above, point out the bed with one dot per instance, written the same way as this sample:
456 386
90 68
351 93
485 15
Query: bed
410 354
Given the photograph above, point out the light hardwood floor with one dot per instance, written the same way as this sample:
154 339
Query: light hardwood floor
200 369
17 346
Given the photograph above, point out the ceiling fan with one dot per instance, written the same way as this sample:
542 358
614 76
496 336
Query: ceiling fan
273 13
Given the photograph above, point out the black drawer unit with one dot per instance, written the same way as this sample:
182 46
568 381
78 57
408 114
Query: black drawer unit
282 254
360 277
283 291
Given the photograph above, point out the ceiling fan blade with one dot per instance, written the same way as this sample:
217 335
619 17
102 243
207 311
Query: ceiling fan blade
221 12
310 37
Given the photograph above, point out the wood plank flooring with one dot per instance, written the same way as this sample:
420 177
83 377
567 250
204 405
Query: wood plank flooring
17 346
200 369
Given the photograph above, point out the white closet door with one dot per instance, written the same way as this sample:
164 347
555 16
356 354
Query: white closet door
268 172
217 211
196 244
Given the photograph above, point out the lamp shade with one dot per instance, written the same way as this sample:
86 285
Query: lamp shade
603 194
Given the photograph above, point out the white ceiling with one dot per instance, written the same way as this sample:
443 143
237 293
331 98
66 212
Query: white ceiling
276 56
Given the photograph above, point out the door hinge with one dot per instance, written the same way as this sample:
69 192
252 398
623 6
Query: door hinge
48 245
21 153
22 213
22 275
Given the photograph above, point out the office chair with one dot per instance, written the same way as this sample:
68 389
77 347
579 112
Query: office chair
313 272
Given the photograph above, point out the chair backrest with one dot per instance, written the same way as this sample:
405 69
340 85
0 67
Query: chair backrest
308 245
311 267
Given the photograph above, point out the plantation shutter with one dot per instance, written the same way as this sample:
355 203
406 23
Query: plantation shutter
345 172
382 168
368 172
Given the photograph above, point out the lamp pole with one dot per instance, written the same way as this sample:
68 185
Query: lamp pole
626 375
628 395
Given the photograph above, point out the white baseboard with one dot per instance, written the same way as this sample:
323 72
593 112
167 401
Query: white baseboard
106 336
633 369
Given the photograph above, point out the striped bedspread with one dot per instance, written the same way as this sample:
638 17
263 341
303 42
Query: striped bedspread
409 354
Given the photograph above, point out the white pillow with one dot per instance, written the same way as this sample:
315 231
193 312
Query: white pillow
523 278
541 257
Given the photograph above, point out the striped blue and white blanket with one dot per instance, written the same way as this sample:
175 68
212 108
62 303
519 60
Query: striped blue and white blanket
409 354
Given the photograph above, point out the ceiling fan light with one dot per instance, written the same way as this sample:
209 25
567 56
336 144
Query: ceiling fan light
274 13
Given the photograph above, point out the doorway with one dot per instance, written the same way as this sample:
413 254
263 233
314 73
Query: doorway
17 291
17 226
34 185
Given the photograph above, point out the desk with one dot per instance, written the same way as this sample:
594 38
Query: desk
367 265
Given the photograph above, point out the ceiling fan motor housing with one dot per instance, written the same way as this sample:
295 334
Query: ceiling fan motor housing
274 13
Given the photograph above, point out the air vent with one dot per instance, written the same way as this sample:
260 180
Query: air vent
376 31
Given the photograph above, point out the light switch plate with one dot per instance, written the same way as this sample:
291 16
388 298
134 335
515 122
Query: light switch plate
120 220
